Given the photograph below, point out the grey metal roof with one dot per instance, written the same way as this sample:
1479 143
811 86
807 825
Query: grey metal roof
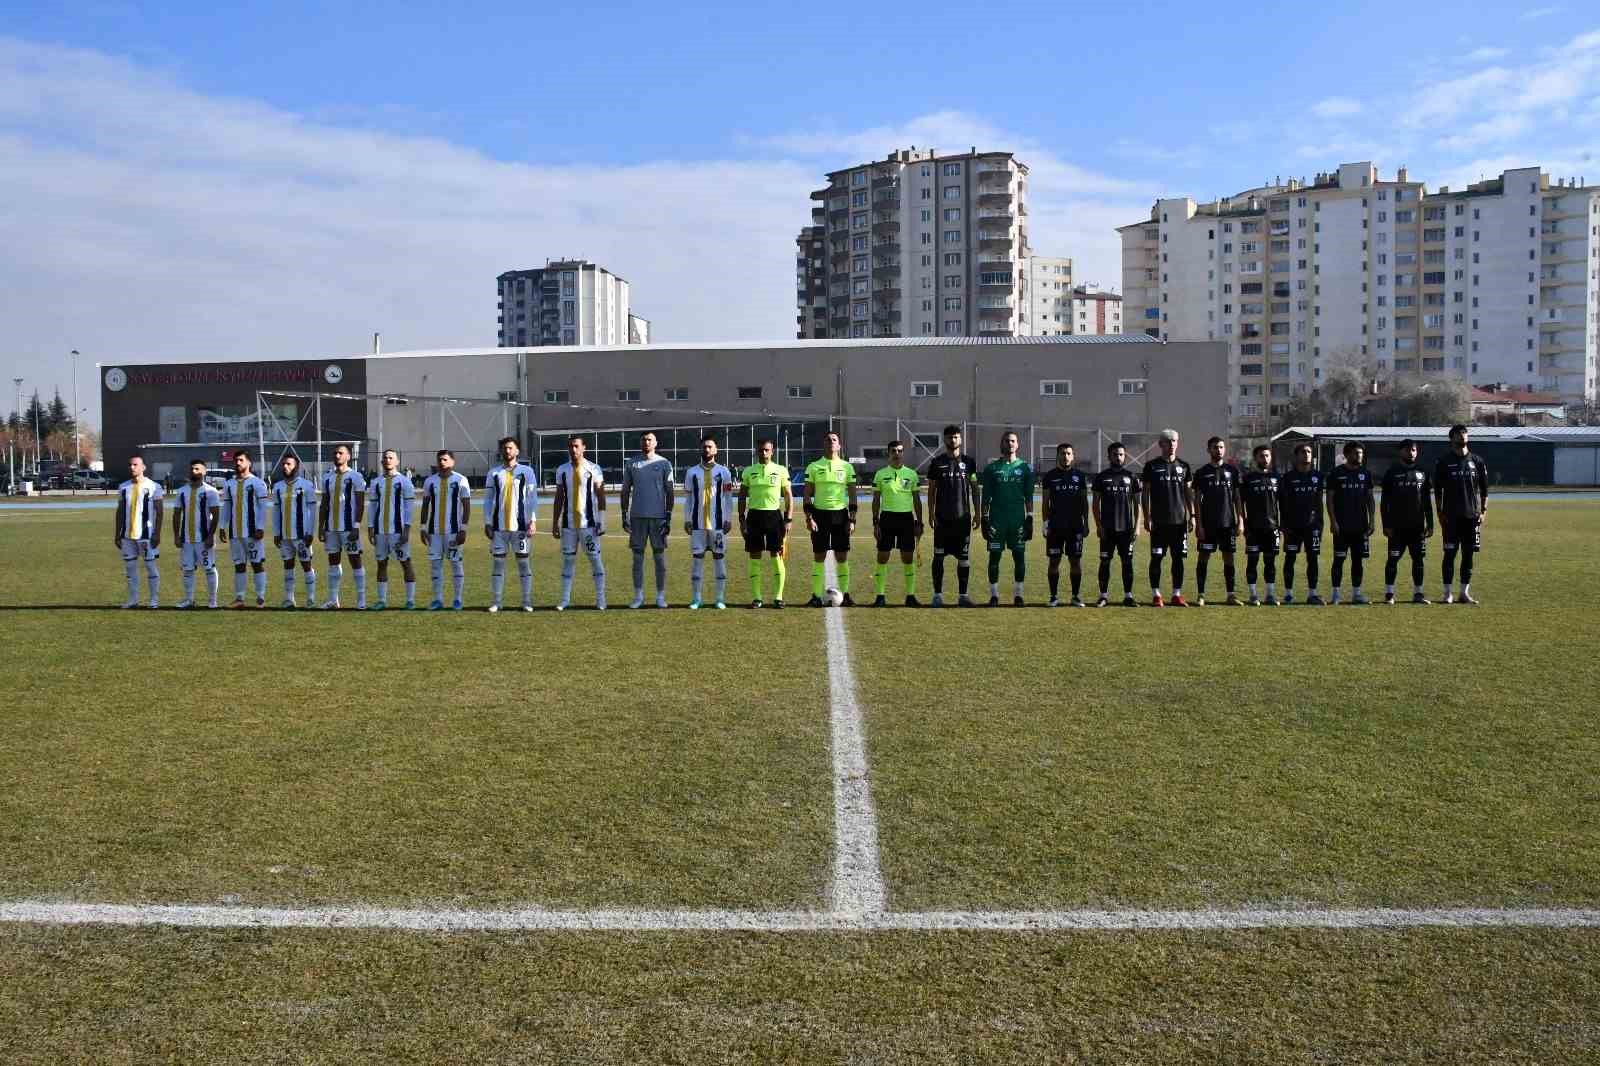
791 343
1564 434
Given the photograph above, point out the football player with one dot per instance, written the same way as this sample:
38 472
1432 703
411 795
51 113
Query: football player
343 500
137 534
1301 504
647 499
1350 509
1007 516
244 527
953 510
294 525
391 496
510 499
1065 498
1407 512
1217 511
1116 521
1260 492
446 511
195 516
580 520
706 488
1461 484
1168 504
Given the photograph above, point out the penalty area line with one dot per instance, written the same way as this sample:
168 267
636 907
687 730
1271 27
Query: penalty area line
535 919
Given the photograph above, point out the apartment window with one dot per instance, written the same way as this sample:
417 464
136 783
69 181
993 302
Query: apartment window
858 287
858 310
858 243
627 395
927 215
952 303
927 260
952 281
927 193
678 392
922 390
858 178
569 312
567 336
1059 387
952 214
952 259
800 392
952 170
952 236
952 192
557 396
858 199
749 392
927 171
858 265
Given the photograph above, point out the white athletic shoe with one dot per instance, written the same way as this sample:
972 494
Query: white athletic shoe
183 605
720 605
694 605
330 605
527 608
638 601
135 603
661 601
562 606
938 600
494 608
1448 597
154 606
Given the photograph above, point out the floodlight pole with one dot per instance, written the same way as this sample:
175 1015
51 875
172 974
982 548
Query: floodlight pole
77 438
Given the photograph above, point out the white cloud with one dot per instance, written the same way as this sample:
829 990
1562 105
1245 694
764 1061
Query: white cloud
1540 13
1485 54
1336 107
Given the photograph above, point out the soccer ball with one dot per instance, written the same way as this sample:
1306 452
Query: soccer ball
833 597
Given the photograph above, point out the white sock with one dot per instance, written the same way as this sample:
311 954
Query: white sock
335 579
213 579
697 576
1466 588
1017 589
383 590
359 577
437 568
261 584
1388 590
1252 590
411 593
497 579
288 583
994 590
525 573
131 568
458 570
1272 589
661 573
188 585
311 587
1176 591
152 580
569 563
720 566
1416 590
598 569
238 585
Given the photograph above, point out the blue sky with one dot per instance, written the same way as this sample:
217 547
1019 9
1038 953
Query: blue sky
257 181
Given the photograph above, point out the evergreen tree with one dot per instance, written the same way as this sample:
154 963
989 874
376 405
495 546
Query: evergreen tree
57 418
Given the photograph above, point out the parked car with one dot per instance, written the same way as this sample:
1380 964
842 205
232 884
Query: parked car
90 479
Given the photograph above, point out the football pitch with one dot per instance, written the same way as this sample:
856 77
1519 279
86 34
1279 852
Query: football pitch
1269 835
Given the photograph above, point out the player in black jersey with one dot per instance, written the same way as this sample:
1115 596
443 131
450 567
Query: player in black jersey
1066 521
1168 515
1262 521
1216 518
1461 485
1300 500
1116 520
1407 512
1350 507
952 506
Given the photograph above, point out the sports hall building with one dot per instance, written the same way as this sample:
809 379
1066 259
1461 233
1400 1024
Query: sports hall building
1087 389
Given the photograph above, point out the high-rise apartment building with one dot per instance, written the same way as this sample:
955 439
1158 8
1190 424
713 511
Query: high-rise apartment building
567 301
921 244
1049 294
811 283
1495 283
1093 310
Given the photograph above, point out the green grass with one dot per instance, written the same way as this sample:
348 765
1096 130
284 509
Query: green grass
1395 756
108 996
472 759
1020 759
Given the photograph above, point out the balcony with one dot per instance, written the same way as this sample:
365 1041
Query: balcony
889 247
986 308
886 269
885 181
990 175
890 202
997 284
994 241
888 292
995 197
885 224
993 262
995 327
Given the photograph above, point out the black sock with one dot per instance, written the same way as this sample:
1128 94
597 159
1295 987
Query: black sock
1105 576
938 573
1467 552
1127 573
1338 570
1077 582
1311 571
1155 573
1250 564
1288 573
1199 572
1177 571
1449 567
1418 571
1272 567
1390 568
1228 572
963 575
1055 582
1357 565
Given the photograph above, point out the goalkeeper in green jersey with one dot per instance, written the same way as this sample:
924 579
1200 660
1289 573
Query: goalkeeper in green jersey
1007 515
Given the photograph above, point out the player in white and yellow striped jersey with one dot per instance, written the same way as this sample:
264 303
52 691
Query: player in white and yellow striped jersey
580 520
343 499
294 524
244 527
510 496
390 496
707 489
138 530
446 509
196 513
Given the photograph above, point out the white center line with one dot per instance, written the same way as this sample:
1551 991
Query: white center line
858 888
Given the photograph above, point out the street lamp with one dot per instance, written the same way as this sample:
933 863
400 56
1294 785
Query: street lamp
77 440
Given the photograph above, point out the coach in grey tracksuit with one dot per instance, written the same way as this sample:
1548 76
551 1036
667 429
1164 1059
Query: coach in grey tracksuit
647 500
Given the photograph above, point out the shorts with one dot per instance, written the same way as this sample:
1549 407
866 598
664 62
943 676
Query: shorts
651 531
1223 540
1169 540
1355 545
764 531
1116 542
1459 531
290 550
897 530
347 541
701 541
387 544
510 540
586 538
1261 541
1006 538
247 549
952 536
1309 538
197 555
833 531
1404 540
440 546
139 549
1068 544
